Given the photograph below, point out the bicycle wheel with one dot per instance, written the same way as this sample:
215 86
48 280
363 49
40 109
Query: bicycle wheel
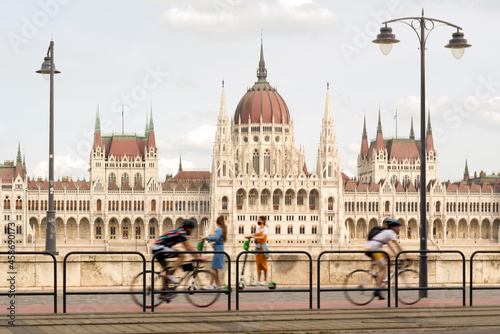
408 278
136 286
196 281
360 279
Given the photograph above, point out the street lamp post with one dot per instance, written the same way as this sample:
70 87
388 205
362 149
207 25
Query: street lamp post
48 70
422 27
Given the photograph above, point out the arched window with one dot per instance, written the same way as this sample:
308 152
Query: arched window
111 178
290 229
241 229
288 197
277 229
312 202
99 205
152 232
19 229
387 206
98 232
253 228
438 206
224 203
276 198
394 179
239 200
153 205
314 229
267 161
137 178
330 203
125 178
263 197
330 229
302 229
137 232
251 197
256 161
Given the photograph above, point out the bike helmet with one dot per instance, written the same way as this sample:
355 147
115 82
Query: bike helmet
188 224
391 222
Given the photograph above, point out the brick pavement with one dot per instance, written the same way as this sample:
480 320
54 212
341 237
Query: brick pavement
338 320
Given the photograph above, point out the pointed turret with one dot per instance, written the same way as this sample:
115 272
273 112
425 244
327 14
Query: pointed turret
328 107
364 140
380 139
223 111
429 142
466 171
180 164
151 132
146 128
19 161
97 130
412 133
24 165
262 71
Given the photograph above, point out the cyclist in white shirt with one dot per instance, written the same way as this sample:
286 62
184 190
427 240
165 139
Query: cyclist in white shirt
385 237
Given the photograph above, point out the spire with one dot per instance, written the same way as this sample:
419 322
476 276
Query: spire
379 126
429 127
97 120
328 107
19 157
365 135
24 165
180 163
380 139
146 128
364 140
97 130
429 141
151 124
222 111
466 171
261 71
412 133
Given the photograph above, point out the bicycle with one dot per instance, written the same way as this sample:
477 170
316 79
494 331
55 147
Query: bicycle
365 282
194 279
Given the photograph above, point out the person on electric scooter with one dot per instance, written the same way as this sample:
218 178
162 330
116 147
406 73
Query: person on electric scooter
260 237
167 241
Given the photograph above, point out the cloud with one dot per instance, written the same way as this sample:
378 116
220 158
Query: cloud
234 18
200 138
64 165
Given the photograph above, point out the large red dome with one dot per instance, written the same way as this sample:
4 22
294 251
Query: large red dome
262 103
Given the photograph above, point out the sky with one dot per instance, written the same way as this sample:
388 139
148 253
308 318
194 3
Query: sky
170 56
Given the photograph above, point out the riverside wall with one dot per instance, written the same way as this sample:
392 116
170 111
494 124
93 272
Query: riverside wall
101 271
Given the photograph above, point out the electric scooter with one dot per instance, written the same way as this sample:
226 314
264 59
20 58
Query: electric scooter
242 283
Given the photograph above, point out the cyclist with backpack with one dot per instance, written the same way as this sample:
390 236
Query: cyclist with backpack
167 241
377 238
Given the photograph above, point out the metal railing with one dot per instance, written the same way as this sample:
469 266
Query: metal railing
238 290
472 275
319 290
65 293
36 293
396 289
228 291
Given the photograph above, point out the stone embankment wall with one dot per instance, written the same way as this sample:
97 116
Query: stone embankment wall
119 270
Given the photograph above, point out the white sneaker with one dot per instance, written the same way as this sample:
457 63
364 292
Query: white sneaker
173 279
263 283
208 287
255 283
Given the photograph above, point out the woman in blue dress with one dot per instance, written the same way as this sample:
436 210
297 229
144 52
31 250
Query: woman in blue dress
218 260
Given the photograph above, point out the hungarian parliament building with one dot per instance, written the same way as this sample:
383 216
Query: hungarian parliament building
257 170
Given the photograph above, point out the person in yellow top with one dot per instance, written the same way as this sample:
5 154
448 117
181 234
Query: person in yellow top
260 237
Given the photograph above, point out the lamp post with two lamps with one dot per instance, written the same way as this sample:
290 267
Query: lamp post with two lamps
48 70
422 27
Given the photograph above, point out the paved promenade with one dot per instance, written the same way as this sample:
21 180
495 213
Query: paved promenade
479 319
